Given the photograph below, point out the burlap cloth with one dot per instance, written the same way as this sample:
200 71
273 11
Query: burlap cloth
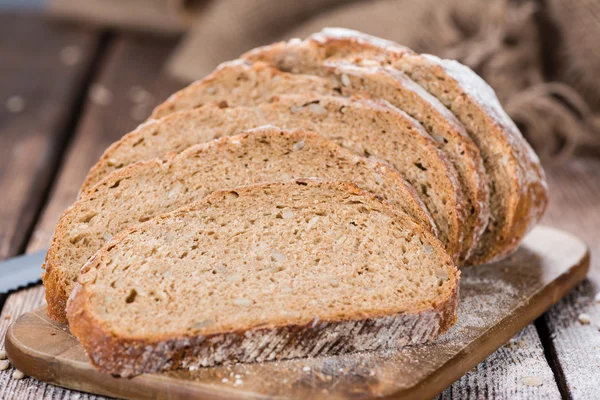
541 56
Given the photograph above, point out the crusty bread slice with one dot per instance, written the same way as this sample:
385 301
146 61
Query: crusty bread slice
322 58
230 279
518 191
143 190
364 126
235 82
446 205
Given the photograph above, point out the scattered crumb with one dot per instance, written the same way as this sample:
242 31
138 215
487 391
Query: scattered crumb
237 376
100 95
584 318
532 380
70 55
7 316
193 367
18 374
4 365
306 368
2 355
238 382
597 297
15 104
224 380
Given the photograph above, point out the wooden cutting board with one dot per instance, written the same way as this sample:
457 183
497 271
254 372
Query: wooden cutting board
497 301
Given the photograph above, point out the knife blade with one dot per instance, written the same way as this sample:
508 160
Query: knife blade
21 270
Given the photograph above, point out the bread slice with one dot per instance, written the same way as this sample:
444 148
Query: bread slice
342 272
313 57
366 127
446 204
235 82
143 190
518 191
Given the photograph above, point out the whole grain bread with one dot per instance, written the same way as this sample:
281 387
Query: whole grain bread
367 127
343 272
145 189
446 205
517 187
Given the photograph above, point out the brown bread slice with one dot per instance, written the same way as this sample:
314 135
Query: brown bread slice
364 126
445 204
143 190
315 57
230 280
518 191
235 82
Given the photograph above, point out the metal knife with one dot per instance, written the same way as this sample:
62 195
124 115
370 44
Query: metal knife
21 271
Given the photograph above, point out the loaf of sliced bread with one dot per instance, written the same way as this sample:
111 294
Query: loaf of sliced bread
145 189
265 272
390 85
367 127
517 187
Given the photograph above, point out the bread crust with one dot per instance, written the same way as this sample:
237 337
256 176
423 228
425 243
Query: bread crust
129 356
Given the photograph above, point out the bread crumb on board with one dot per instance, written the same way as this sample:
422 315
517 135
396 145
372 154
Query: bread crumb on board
4 365
584 318
3 355
18 374
532 380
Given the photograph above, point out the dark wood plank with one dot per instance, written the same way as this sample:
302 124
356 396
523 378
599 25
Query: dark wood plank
42 70
128 85
575 347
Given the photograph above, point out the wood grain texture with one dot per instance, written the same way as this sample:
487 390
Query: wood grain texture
508 373
497 302
575 207
133 64
31 139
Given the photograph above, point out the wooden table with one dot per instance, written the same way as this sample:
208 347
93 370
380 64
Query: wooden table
77 90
